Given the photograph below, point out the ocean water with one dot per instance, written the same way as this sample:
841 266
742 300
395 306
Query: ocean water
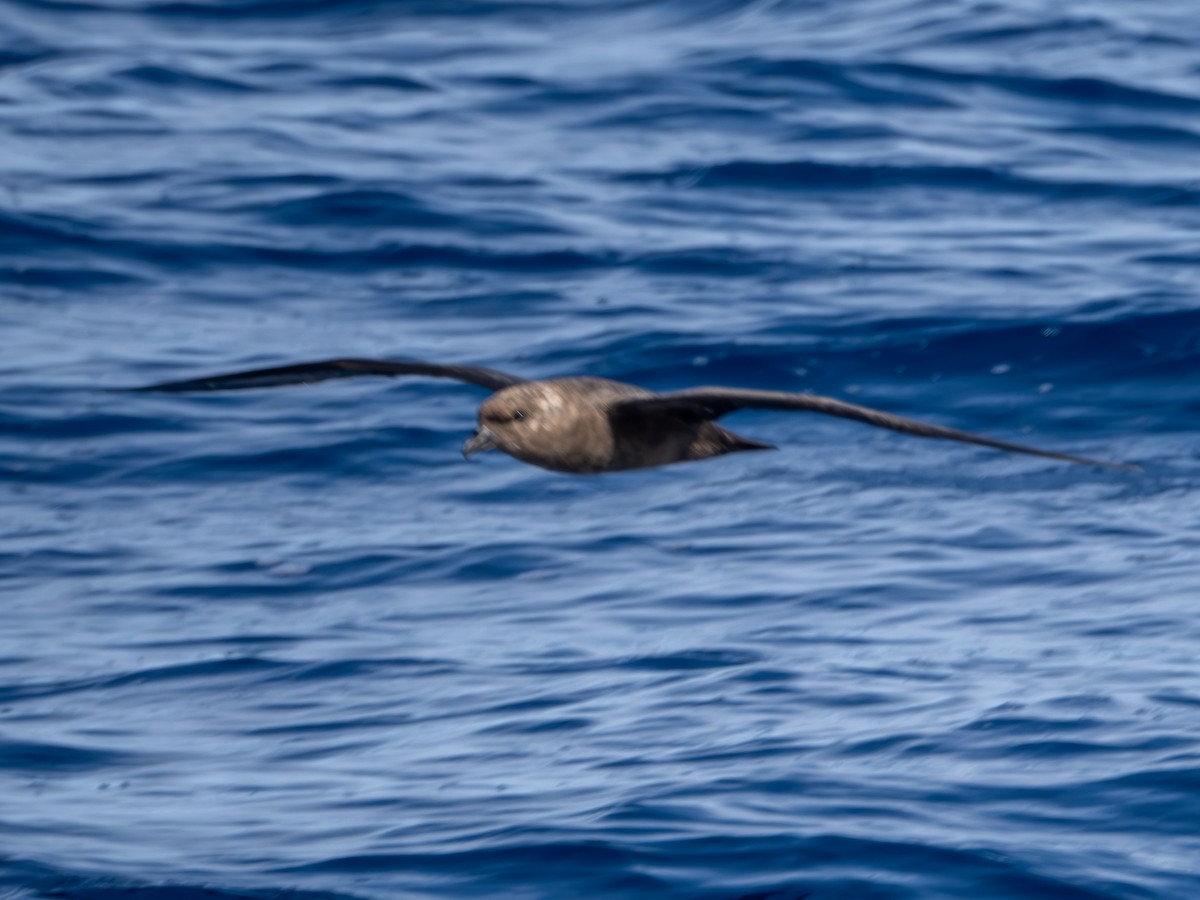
288 643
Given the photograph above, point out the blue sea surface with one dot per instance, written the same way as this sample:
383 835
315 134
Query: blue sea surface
287 643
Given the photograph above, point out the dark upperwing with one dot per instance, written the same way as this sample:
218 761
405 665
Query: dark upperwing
708 403
308 373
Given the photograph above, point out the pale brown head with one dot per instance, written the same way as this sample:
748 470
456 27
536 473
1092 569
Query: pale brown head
560 424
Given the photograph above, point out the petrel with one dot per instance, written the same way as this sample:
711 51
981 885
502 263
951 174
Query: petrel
586 425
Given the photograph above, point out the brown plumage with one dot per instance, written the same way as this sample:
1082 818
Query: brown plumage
588 425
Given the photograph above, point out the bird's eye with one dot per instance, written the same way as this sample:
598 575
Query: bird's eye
499 418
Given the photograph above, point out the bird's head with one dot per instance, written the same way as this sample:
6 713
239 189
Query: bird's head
551 424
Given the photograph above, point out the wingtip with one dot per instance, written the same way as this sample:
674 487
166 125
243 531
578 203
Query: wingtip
140 389
167 387
1105 464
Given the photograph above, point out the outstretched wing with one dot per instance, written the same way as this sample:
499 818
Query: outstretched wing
714 402
307 373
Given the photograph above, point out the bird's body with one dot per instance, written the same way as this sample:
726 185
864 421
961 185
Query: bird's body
585 425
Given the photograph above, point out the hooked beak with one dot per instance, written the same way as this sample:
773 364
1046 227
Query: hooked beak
481 440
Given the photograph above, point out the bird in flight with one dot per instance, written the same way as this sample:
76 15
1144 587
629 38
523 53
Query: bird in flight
586 425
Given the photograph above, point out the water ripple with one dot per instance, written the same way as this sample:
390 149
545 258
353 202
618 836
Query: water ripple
289 643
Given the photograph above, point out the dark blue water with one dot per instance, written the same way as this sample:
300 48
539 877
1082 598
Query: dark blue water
288 643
